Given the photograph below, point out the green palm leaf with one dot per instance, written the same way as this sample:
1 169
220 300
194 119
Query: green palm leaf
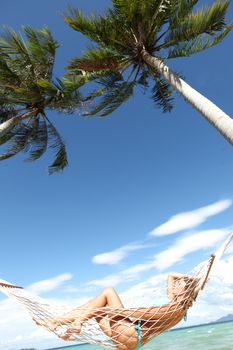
100 29
42 48
18 140
7 137
27 85
6 111
58 146
208 20
162 93
114 91
183 9
97 60
8 78
38 140
199 44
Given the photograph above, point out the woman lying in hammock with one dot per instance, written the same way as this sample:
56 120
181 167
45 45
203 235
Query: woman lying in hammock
129 328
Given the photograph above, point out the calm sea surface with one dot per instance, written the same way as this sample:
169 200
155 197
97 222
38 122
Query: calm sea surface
211 337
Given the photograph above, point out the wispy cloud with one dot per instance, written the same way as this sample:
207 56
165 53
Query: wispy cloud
178 222
188 244
115 256
107 281
167 258
48 285
190 219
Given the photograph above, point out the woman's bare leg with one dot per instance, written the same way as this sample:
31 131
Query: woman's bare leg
108 297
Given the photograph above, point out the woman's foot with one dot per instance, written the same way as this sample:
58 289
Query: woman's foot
74 328
54 323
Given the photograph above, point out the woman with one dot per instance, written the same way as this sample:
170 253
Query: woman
131 328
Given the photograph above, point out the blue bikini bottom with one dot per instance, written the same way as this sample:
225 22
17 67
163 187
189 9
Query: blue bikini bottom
138 330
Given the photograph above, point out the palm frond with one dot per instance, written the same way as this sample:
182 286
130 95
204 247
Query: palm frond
185 49
47 87
18 141
7 137
129 10
85 25
65 96
13 44
58 146
37 143
29 59
42 48
113 98
182 9
208 20
137 11
6 111
144 78
15 53
72 83
109 80
8 77
162 93
104 30
97 59
144 18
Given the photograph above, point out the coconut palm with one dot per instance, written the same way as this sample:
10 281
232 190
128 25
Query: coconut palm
28 91
132 41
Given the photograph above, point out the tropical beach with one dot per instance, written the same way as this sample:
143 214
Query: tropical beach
116 160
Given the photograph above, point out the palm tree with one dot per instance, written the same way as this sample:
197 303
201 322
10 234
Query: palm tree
135 37
27 91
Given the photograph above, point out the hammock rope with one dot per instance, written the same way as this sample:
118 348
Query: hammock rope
107 326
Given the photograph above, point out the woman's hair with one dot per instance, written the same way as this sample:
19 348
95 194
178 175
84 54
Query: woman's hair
184 288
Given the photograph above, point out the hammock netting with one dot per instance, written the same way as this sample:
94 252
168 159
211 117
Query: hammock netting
109 331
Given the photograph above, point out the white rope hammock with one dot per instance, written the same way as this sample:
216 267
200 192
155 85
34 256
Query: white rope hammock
121 322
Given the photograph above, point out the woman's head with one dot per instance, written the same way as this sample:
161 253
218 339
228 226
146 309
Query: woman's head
184 288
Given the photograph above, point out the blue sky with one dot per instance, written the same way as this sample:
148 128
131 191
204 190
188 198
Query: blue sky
128 174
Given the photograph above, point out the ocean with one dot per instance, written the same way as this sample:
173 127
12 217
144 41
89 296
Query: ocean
206 337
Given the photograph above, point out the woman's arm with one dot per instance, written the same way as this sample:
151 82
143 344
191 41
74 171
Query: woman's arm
179 284
152 313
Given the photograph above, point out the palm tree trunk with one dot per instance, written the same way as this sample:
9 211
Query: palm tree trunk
220 120
10 123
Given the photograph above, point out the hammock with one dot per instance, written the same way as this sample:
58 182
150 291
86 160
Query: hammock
154 320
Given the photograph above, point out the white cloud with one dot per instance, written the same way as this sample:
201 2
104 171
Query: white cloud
171 255
115 256
224 271
108 281
126 275
190 219
197 241
48 285
188 244
178 222
230 249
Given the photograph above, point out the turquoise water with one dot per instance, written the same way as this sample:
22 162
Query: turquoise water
211 337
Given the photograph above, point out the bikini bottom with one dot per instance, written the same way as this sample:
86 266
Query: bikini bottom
138 330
